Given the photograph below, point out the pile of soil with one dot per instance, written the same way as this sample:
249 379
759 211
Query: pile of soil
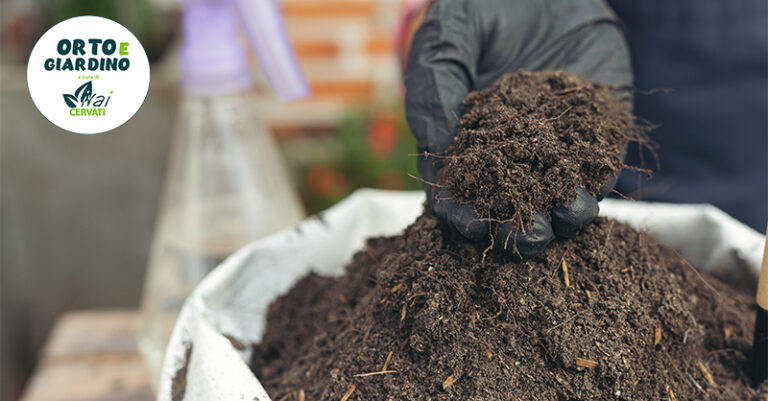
612 314
428 315
527 142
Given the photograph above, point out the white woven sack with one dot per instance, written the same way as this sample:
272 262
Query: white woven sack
233 299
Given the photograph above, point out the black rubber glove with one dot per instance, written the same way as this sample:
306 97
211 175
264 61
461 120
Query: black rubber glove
466 45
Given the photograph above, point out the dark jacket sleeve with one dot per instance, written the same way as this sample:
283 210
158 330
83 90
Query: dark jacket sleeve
465 45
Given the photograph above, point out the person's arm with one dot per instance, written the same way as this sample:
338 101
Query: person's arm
465 45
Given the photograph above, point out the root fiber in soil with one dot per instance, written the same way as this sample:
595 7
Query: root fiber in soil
609 315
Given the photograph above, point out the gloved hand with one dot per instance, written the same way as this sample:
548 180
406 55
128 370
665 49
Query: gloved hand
466 45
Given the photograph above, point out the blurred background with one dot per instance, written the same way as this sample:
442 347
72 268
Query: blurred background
78 212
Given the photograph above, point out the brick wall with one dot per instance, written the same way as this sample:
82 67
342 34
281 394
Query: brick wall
345 49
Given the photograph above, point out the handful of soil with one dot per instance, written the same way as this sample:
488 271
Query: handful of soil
610 315
527 142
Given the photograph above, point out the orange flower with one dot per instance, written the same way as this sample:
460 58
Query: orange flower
382 134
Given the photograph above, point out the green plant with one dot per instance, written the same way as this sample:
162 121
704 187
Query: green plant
377 150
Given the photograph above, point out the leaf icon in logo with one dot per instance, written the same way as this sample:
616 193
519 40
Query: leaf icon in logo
84 91
70 100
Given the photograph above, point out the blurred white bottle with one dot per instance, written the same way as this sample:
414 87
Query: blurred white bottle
226 184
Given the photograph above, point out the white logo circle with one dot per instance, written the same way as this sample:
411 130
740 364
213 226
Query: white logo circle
88 75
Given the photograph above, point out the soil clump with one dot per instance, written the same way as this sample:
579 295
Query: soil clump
528 141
